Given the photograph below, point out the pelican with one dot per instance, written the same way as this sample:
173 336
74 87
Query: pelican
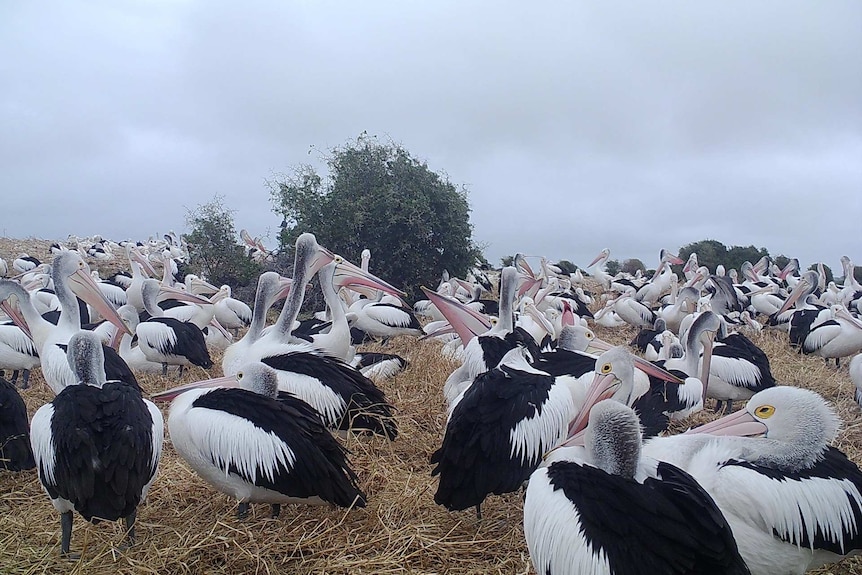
17 353
793 502
69 273
257 448
168 340
601 276
231 313
342 395
15 451
856 376
604 509
97 444
840 336
496 434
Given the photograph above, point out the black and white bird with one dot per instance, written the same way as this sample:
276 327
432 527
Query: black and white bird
345 399
604 509
71 277
856 376
97 444
167 340
257 448
793 501
499 430
15 452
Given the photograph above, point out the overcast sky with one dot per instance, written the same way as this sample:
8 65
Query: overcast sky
574 126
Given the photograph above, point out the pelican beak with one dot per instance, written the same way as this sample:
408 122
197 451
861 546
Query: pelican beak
144 262
531 310
214 323
846 315
602 387
652 369
353 277
440 330
283 287
672 259
597 259
14 313
598 346
466 322
801 288
709 337
117 338
568 315
167 292
170 394
85 287
199 286
741 424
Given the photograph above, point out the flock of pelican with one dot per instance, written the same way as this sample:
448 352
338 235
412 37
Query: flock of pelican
537 400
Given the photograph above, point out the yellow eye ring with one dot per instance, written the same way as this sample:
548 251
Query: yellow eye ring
590 335
239 375
764 411
606 369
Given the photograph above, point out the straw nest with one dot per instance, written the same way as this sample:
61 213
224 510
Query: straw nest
187 527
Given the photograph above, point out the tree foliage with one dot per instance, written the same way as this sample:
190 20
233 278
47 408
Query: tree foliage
613 267
214 251
567 267
826 269
632 265
377 196
711 253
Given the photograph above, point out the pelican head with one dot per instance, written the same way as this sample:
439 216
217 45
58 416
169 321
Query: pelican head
86 358
613 438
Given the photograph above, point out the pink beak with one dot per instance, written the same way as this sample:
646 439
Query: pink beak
170 394
741 424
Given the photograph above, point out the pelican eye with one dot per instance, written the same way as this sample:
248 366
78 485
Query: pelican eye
338 259
590 335
606 368
764 411
239 376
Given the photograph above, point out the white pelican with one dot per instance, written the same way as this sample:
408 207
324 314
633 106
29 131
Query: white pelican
256 448
15 452
600 275
604 509
496 434
97 444
167 340
838 337
17 353
345 398
231 313
70 273
793 502
856 376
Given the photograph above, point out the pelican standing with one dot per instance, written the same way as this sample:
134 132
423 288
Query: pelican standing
97 444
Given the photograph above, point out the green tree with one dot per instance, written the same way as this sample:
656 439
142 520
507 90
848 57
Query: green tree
377 196
632 265
827 269
507 261
567 267
737 255
710 253
214 251
612 267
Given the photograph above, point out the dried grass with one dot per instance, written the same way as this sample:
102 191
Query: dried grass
187 527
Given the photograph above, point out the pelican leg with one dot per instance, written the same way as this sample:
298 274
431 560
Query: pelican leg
14 377
242 512
25 379
66 535
728 407
479 512
180 372
718 403
837 362
130 530
276 510
164 370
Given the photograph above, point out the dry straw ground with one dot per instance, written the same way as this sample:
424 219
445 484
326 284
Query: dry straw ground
187 527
